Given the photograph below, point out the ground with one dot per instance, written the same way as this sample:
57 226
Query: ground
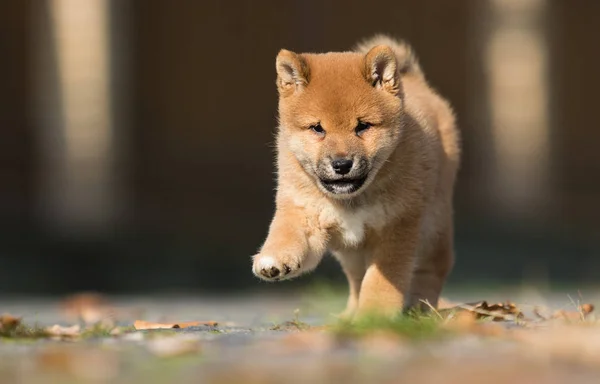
281 338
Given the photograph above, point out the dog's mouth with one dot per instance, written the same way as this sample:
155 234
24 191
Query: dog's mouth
343 186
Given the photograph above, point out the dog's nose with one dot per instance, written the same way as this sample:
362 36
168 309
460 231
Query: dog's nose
341 166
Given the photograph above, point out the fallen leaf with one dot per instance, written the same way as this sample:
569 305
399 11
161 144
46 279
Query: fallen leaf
291 326
506 311
174 346
143 325
580 315
587 308
8 322
445 304
60 331
466 322
461 321
499 311
90 307
490 330
541 313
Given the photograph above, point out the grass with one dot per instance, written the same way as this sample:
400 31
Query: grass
294 324
100 330
321 296
23 331
96 331
411 326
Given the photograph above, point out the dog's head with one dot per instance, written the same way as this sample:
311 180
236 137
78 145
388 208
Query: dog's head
339 115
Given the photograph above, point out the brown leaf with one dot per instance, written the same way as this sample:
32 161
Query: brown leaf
580 315
498 312
142 325
462 321
586 309
60 331
541 313
87 306
466 322
567 315
491 330
446 304
8 322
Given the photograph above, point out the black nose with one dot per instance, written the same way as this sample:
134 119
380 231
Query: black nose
341 166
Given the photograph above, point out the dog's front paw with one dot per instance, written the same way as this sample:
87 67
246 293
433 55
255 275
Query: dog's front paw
272 268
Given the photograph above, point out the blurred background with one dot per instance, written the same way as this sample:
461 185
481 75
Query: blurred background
136 146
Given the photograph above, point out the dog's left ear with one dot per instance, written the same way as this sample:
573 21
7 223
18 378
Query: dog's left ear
381 68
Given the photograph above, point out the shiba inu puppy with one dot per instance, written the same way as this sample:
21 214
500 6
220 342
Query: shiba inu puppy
367 155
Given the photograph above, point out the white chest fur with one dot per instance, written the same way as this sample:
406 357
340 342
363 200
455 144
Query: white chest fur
351 223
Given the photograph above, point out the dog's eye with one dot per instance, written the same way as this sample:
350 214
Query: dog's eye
318 129
361 128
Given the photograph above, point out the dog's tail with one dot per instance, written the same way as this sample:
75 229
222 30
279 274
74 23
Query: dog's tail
407 59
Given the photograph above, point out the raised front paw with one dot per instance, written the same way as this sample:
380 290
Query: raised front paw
272 268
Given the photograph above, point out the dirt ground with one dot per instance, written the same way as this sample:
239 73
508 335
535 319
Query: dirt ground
276 339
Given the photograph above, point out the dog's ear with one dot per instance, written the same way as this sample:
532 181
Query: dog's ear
292 72
381 67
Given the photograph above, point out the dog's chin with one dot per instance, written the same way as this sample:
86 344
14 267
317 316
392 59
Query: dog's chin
344 187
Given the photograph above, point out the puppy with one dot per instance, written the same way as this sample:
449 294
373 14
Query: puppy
367 155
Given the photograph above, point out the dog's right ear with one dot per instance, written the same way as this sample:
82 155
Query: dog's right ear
292 72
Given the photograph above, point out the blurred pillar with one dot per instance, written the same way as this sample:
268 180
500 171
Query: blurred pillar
76 120
516 62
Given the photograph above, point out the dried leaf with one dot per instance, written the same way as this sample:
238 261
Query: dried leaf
541 314
144 325
60 331
446 304
461 322
9 322
498 312
89 307
567 315
466 322
13 327
490 330
586 309
580 315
